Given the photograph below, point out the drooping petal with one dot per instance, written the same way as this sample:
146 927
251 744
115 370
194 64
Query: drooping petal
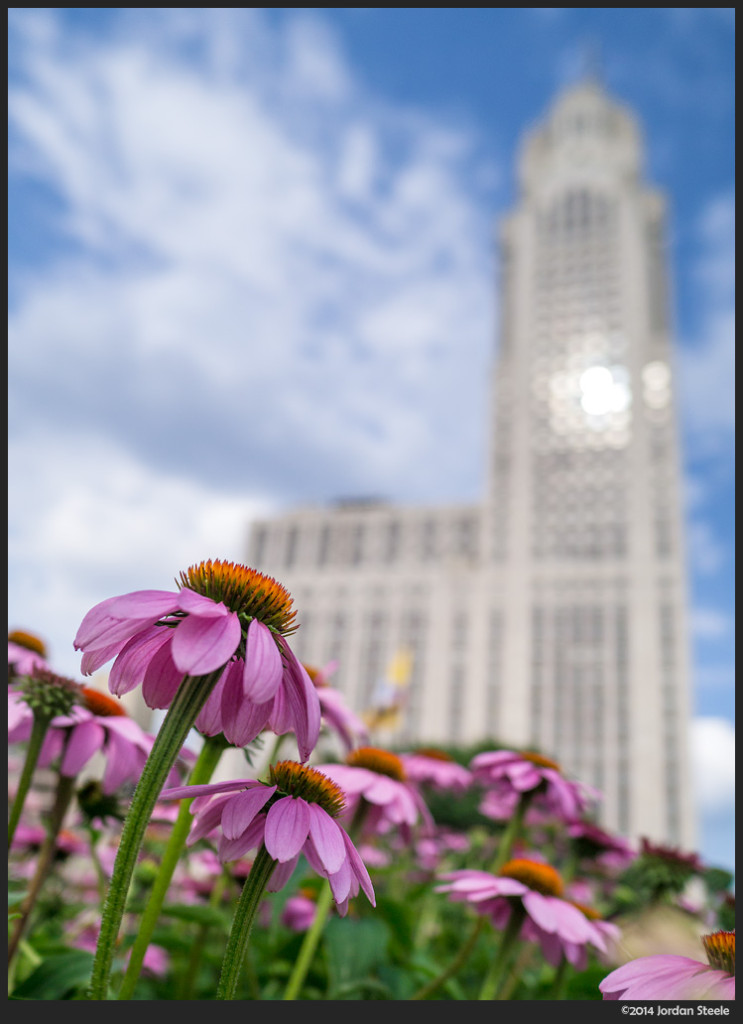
281 874
207 789
91 661
287 827
207 819
202 643
232 849
209 719
302 699
128 671
340 882
85 739
123 761
242 720
327 837
161 679
204 607
240 809
359 869
263 664
118 618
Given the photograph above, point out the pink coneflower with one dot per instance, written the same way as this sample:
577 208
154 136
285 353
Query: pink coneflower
224 615
377 778
97 725
299 911
292 814
335 713
437 769
668 976
431 850
156 959
508 775
606 848
560 928
29 838
26 652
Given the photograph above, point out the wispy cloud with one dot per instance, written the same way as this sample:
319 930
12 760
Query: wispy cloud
264 285
713 758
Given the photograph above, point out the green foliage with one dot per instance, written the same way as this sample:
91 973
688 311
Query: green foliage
61 975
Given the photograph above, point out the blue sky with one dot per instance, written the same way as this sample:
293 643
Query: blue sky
252 265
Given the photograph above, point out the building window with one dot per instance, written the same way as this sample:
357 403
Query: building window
292 538
392 545
259 544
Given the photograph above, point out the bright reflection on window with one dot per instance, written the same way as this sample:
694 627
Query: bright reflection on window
604 390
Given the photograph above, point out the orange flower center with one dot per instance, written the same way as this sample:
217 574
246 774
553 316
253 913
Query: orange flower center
589 912
28 640
315 674
540 877
720 950
299 780
539 760
434 753
102 704
384 762
246 591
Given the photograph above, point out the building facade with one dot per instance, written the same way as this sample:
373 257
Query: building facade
552 614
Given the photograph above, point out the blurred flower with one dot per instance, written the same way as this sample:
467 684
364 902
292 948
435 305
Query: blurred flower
292 814
436 769
25 653
609 850
668 976
560 927
299 911
335 713
224 616
508 774
30 838
97 725
377 777
430 850
156 959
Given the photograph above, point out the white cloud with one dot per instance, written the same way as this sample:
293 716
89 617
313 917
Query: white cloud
707 361
713 760
288 265
257 276
710 623
111 527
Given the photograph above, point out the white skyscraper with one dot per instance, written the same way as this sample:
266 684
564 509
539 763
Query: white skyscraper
553 615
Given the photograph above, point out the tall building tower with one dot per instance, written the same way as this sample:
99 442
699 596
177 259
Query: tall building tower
584 505
551 615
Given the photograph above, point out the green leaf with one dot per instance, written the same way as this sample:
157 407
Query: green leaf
354 949
57 977
198 913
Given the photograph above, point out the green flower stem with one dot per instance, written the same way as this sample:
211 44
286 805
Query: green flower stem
523 960
492 984
461 958
182 713
309 943
278 742
202 771
512 832
94 837
65 792
247 907
33 749
560 982
197 950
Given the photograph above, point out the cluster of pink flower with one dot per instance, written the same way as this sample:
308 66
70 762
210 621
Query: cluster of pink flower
229 626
